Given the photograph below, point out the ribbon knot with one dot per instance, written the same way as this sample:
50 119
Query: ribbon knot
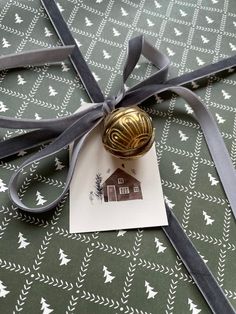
109 105
75 128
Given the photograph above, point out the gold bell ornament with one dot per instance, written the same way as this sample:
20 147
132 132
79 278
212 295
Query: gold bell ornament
128 133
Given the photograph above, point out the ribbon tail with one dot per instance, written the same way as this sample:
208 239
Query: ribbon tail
25 141
35 57
197 268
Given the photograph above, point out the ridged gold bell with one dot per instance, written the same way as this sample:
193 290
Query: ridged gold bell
128 133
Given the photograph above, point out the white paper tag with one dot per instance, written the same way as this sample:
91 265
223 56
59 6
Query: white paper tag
107 193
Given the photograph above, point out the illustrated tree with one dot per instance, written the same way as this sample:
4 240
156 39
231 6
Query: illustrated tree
212 179
193 307
22 241
123 12
183 137
64 67
194 85
207 218
106 55
204 39
209 20
150 23
5 43
40 199
88 22
3 291
98 186
150 290
58 164
169 202
160 247
52 91
225 94
115 32
63 258
37 116
200 61
219 119
20 80
170 52
3 108
107 275
188 109
121 233
177 32
177 169
18 19
157 4
45 307
232 46
47 32
3 187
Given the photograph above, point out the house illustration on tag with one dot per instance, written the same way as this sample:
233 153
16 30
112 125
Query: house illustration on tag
121 186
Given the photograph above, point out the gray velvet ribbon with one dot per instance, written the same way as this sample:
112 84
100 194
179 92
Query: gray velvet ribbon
77 127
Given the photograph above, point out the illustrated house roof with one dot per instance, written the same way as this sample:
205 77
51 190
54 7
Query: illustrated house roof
119 173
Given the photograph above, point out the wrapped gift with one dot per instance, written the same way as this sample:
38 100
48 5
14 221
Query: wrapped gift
43 266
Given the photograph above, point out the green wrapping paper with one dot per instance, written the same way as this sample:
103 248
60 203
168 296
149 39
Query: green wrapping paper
151 276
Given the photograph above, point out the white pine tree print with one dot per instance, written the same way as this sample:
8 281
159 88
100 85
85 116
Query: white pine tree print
234 22
160 247
52 91
176 168
177 32
22 241
87 21
40 199
170 52
3 187
225 94
37 116
115 32
121 233
64 67
193 307
204 39
203 258
58 164
18 19
200 61
232 46
188 109
212 179
45 308
47 32
150 23
107 275
123 12
3 108
106 55
169 202
183 137
194 85
182 13
151 293
209 20
5 43
97 78
63 258
20 80
207 218
157 4
78 43
219 119
22 153
3 291
60 7
158 99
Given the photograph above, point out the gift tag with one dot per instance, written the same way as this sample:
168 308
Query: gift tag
107 193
